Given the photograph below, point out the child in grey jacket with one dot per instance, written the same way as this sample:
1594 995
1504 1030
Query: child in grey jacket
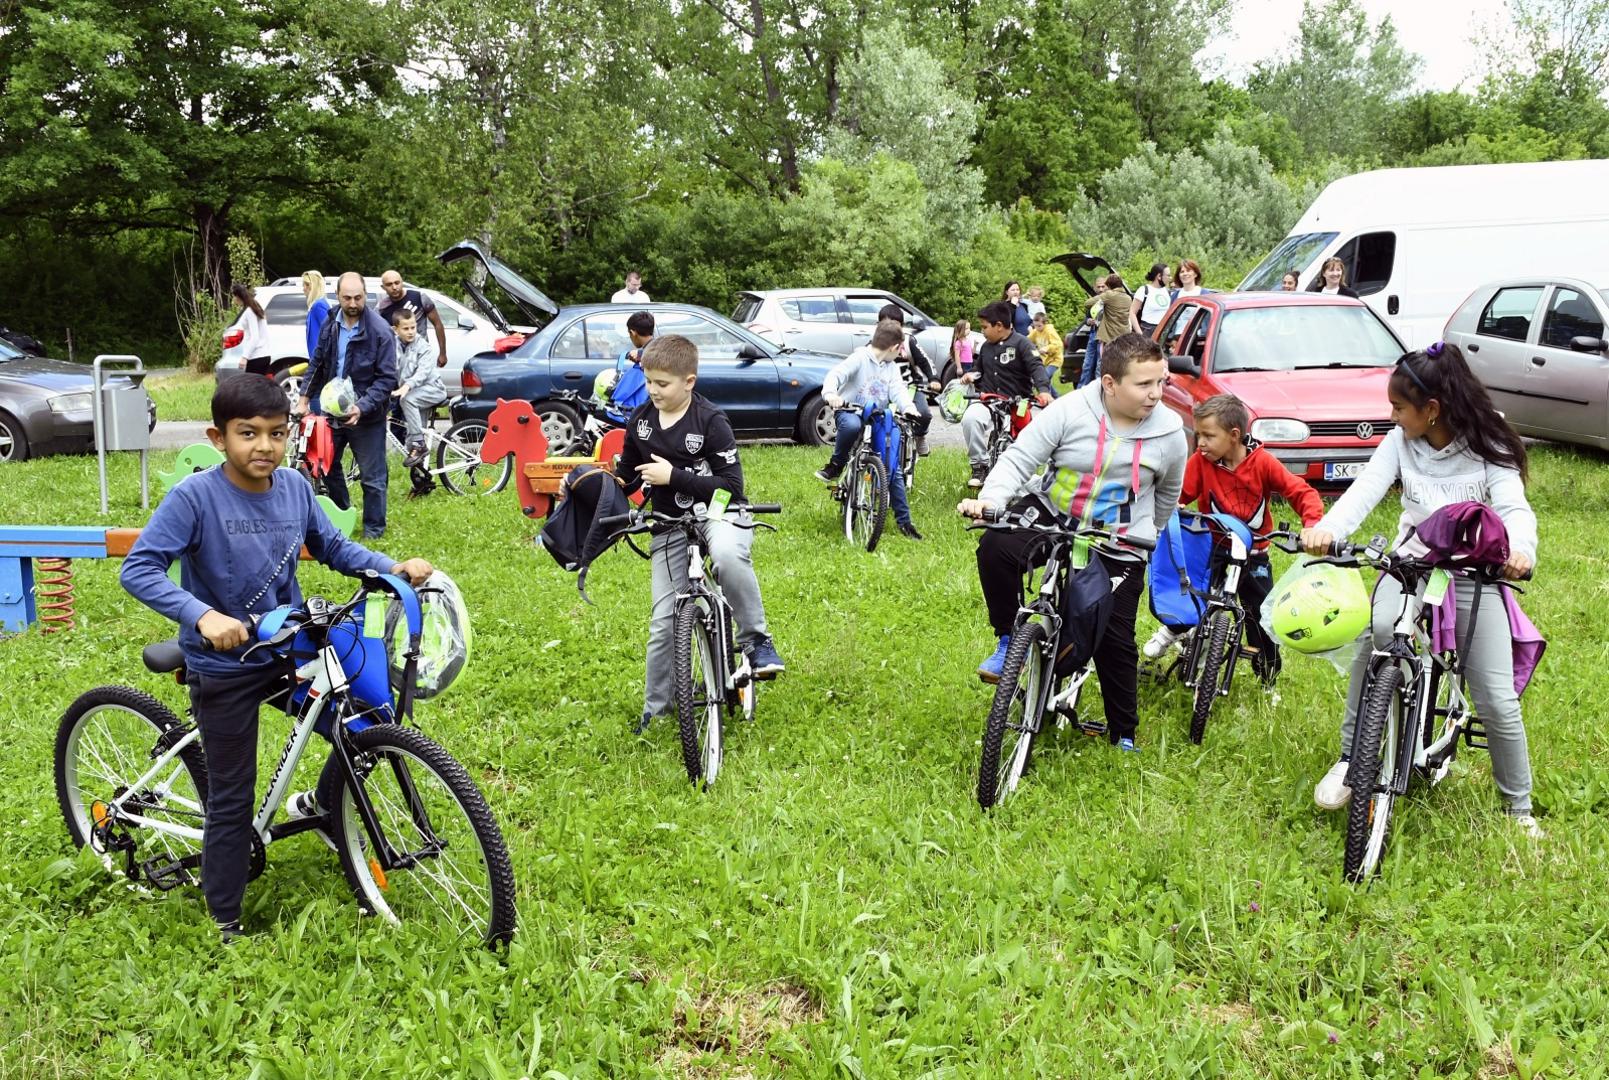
1115 457
418 384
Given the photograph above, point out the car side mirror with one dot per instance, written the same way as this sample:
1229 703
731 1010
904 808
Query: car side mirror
750 352
1587 344
1183 365
467 322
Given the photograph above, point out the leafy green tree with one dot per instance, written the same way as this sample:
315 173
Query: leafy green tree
1153 46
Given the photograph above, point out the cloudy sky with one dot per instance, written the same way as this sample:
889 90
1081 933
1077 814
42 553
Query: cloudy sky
1438 30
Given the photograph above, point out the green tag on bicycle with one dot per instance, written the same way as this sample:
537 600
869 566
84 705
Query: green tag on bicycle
1022 407
374 616
1436 587
718 504
1080 552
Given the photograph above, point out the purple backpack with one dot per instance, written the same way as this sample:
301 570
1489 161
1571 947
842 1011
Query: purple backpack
1465 534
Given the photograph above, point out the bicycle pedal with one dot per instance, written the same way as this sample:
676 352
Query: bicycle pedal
1092 728
1475 734
169 875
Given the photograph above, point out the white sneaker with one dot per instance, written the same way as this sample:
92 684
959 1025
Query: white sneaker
1527 824
1331 793
1161 642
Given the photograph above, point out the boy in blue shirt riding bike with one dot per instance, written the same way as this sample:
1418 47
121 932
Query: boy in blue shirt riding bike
236 531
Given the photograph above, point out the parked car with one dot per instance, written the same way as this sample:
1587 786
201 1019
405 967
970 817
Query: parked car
1538 346
837 321
285 309
1312 369
764 389
46 405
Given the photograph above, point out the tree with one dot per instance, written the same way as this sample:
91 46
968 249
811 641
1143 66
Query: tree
1154 44
170 116
1337 88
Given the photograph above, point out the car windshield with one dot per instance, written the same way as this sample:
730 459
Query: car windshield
1299 337
7 352
1295 252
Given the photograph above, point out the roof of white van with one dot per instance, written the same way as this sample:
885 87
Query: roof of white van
1450 194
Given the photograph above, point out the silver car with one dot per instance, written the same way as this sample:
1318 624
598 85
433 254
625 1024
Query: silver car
838 321
1538 346
285 310
46 405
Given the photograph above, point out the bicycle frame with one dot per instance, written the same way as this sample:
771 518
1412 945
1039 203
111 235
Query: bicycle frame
717 617
1046 609
1222 595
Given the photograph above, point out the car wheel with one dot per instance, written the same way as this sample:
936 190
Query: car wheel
817 426
13 443
291 384
950 373
561 425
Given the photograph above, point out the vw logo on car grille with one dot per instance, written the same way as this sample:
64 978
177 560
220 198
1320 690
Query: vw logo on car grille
1365 430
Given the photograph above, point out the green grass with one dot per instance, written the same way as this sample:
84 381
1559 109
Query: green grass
181 395
838 905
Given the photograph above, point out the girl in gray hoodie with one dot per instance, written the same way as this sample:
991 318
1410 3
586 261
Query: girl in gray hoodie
1450 445
1112 455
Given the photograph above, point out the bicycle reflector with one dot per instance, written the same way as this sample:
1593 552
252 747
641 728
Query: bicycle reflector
444 639
1319 606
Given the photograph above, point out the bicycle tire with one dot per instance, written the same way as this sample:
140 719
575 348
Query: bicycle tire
142 721
1372 776
998 776
869 490
698 717
474 896
1217 649
458 462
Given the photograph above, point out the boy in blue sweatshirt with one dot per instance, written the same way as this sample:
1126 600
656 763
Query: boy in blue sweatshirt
236 531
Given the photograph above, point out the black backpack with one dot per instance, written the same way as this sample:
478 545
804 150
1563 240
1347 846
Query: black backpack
571 533
1086 606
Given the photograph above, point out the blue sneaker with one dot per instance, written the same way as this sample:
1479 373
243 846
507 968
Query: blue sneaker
1127 746
989 670
763 659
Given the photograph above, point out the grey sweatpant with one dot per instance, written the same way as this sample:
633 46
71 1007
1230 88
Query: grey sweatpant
729 547
416 405
976 423
1489 670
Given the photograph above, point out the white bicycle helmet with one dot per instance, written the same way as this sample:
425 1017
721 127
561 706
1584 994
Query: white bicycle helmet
954 399
604 385
444 640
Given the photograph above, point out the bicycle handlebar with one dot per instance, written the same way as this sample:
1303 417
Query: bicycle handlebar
1374 553
997 518
638 520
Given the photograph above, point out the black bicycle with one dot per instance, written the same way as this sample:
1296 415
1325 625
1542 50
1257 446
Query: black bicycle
1029 690
1413 702
712 673
1003 413
863 490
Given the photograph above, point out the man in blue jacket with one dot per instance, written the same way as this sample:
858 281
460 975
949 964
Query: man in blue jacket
358 345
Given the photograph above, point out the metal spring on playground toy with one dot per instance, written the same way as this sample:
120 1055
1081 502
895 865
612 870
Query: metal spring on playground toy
54 593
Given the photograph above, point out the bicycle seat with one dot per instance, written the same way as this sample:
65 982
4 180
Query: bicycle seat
163 657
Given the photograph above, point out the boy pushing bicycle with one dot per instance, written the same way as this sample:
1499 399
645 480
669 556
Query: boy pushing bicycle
681 452
236 531
1115 458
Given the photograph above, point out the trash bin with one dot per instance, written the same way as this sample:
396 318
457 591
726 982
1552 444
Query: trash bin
125 419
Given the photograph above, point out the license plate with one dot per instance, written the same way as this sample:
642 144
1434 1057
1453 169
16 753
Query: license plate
1344 470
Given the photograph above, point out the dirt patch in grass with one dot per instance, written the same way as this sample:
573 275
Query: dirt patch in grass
735 1027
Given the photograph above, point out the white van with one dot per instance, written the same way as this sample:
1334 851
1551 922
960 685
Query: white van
1416 242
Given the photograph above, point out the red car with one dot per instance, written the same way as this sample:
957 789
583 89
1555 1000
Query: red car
1312 368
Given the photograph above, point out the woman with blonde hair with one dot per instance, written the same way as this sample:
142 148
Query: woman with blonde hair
1333 278
318 307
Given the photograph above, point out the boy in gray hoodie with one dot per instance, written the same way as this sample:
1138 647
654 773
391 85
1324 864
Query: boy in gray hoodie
1113 456
418 384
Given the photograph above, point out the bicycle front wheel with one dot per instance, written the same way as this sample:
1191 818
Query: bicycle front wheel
868 496
105 743
1215 657
1373 775
700 691
453 870
1014 715
459 465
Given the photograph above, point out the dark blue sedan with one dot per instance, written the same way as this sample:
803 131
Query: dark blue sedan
765 390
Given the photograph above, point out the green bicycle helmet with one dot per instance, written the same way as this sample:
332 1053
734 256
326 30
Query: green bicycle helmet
954 399
604 385
1319 607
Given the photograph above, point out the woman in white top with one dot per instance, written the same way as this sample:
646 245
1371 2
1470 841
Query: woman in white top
1333 275
1187 279
1150 301
254 346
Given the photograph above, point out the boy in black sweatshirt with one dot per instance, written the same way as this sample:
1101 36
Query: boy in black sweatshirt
680 451
1007 364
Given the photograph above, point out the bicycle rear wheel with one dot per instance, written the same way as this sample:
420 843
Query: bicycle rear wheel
700 690
866 510
458 462
455 871
1373 774
106 741
1014 716
1217 653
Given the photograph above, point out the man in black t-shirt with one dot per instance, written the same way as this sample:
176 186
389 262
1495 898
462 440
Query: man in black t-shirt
680 451
395 299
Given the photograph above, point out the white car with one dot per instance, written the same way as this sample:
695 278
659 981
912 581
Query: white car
837 321
285 310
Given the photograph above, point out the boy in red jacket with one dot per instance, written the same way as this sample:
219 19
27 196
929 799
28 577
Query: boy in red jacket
1232 474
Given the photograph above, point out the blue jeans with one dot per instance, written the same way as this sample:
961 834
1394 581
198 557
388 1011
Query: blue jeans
849 426
1092 361
368 449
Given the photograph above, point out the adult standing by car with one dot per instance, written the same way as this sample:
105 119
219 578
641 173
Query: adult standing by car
357 344
254 345
1151 301
632 293
318 308
398 299
1186 280
1022 319
1111 312
1333 276
1289 280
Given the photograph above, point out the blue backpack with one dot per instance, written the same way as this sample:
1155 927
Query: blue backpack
1181 570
